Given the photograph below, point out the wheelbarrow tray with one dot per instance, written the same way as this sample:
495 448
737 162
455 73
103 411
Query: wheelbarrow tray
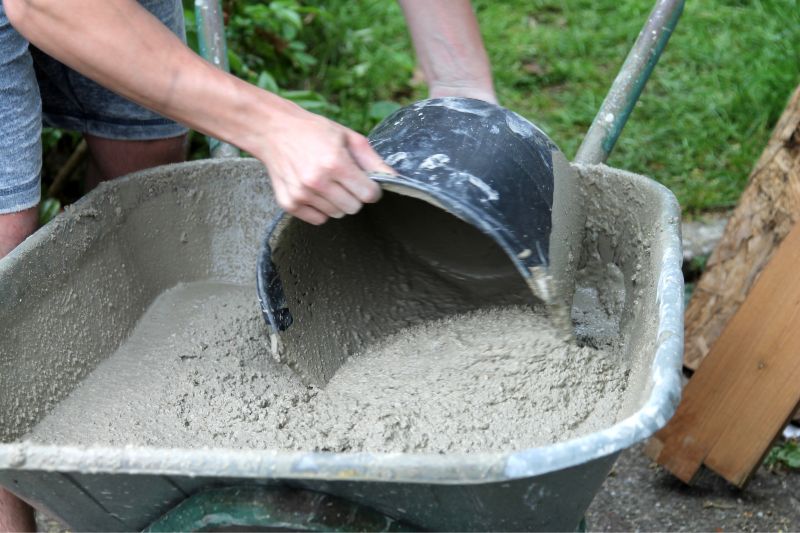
222 206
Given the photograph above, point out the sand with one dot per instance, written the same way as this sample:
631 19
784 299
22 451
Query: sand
197 371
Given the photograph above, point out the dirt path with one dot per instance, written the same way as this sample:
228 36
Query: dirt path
640 496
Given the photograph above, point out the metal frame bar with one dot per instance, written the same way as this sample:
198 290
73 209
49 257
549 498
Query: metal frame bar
629 83
211 40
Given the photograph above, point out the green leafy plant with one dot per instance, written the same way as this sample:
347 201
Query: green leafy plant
48 209
786 454
702 121
264 45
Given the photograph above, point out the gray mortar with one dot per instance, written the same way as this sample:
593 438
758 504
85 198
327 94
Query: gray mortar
187 228
393 285
397 264
396 323
196 372
74 290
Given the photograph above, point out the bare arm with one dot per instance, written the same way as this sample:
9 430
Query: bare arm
449 48
317 167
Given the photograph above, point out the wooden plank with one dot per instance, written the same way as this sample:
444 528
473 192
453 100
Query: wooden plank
767 210
749 385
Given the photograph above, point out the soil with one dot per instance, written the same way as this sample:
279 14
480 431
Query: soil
639 495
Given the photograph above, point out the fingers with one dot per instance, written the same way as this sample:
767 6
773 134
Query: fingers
322 190
339 185
310 215
340 197
323 197
319 197
323 172
366 157
289 204
353 183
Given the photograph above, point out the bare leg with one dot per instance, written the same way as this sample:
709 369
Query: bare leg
111 158
15 228
15 515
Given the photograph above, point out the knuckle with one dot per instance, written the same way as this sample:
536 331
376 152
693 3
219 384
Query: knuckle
289 204
303 196
318 181
373 194
331 163
359 141
315 183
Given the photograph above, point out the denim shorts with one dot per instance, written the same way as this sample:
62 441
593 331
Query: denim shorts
34 88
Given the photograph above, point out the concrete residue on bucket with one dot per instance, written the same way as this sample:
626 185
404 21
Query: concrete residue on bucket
196 371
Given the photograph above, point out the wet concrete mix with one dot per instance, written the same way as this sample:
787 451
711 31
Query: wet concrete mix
407 341
197 371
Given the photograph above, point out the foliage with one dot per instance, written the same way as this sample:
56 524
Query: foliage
700 124
48 209
708 109
312 53
786 454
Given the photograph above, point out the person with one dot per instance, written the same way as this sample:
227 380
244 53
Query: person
114 70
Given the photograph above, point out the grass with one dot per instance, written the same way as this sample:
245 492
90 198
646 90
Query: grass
701 123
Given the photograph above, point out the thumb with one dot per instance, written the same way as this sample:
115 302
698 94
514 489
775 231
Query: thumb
364 155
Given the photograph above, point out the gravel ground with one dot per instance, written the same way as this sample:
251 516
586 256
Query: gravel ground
641 496
702 235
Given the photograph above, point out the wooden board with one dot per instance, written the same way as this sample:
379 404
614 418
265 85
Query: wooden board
769 207
747 388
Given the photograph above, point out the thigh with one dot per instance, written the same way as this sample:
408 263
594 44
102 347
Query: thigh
73 101
20 123
112 158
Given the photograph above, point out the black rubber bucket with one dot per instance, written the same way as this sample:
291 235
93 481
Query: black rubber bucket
469 161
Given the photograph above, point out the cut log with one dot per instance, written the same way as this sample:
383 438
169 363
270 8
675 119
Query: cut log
769 207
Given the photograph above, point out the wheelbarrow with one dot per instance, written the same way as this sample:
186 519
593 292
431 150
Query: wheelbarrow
105 248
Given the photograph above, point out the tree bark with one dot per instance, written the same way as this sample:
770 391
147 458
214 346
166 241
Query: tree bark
767 210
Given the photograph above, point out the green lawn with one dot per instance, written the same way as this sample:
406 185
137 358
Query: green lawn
706 113
698 128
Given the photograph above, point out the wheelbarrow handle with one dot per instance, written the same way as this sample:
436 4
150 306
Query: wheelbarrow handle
629 83
211 40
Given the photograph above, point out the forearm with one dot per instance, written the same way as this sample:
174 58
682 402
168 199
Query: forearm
449 47
317 167
122 46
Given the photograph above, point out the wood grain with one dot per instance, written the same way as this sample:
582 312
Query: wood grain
740 398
